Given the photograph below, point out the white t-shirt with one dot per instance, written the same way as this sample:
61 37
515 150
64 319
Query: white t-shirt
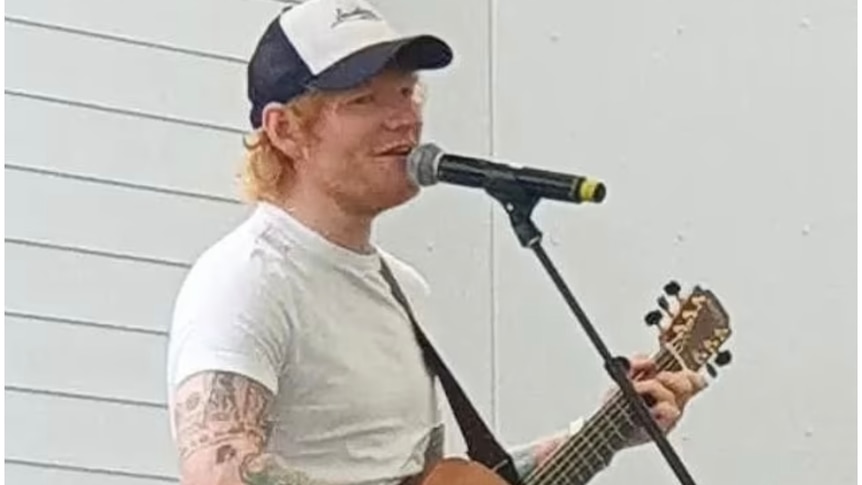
317 325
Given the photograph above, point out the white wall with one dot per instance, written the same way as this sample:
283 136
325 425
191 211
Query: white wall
725 133
120 159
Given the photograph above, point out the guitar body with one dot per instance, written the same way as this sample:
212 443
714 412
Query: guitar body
457 471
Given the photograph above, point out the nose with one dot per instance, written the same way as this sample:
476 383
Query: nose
406 115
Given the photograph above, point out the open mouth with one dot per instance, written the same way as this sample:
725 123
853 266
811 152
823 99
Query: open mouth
396 151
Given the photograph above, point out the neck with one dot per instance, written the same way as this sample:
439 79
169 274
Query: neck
608 431
328 218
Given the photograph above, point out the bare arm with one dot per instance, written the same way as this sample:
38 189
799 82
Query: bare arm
223 421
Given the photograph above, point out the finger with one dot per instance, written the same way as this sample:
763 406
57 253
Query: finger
666 415
642 366
698 381
656 390
679 384
684 384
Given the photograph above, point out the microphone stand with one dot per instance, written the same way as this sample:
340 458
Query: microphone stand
519 205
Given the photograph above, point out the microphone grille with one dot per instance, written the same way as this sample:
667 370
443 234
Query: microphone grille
422 164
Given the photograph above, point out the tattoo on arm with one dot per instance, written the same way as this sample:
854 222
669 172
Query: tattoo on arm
214 409
269 469
223 423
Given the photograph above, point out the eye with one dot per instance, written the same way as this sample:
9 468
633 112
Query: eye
362 99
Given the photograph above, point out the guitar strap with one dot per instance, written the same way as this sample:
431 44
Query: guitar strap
481 444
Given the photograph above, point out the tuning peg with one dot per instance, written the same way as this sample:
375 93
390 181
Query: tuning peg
723 358
653 318
664 305
672 289
711 370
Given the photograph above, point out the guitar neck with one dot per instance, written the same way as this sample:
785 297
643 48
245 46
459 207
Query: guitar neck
589 451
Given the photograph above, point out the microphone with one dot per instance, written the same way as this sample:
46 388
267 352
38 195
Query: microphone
427 165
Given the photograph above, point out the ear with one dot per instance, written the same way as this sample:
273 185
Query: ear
282 130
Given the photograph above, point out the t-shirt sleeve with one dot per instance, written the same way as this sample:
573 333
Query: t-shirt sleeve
229 318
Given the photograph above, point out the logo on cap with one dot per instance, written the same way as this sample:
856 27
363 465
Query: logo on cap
357 13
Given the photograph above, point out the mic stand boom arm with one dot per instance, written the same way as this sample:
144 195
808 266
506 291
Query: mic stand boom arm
519 205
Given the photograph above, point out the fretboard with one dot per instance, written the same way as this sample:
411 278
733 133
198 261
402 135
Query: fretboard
590 450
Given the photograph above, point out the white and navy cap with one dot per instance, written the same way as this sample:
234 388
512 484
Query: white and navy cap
331 45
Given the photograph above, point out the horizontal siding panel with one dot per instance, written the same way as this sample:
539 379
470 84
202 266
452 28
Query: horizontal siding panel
26 474
125 148
87 69
115 219
229 27
116 437
85 360
76 286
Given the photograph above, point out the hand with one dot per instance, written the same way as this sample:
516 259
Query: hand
666 393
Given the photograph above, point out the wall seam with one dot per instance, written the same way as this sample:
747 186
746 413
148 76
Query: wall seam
495 415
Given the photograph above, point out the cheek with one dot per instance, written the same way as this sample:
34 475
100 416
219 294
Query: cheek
340 155
341 146
352 137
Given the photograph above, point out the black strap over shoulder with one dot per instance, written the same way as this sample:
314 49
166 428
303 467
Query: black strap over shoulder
481 444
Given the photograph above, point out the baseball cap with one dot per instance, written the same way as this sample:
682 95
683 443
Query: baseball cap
331 45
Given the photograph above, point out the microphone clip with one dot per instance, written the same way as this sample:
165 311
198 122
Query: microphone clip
518 203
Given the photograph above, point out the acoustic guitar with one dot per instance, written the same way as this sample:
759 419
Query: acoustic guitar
698 327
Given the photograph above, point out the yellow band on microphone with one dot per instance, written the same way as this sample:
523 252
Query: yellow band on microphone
590 191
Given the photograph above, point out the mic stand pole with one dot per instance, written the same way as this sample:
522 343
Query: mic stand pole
519 205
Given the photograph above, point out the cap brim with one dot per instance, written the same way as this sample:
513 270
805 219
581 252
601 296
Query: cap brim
422 52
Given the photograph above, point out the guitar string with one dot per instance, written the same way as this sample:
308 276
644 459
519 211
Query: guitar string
573 450
666 359
616 407
600 437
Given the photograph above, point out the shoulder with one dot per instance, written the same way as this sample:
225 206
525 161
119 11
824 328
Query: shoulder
229 314
247 262
406 274
239 288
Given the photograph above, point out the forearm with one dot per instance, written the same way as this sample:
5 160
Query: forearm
249 469
270 469
226 464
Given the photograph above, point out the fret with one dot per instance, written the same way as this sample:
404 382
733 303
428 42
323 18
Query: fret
592 454
589 451
588 474
601 442
602 451
598 460
580 477
614 427
578 460
582 456
592 449
611 432
583 471
616 430
627 417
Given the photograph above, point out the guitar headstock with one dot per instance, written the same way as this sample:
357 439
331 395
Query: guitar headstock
698 327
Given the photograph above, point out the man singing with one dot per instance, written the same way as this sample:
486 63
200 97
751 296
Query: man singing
289 359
